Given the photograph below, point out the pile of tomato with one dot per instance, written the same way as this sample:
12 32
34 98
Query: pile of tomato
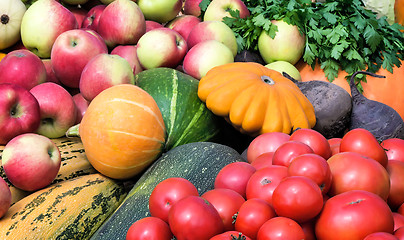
298 186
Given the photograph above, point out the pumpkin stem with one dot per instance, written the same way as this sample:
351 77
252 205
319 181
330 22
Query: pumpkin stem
73 131
267 80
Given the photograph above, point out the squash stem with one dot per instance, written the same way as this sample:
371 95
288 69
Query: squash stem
73 131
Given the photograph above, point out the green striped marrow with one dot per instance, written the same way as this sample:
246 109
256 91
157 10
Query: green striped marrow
198 162
186 117
72 209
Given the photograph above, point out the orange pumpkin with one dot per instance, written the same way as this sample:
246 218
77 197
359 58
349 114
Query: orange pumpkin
255 99
387 90
2 55
399 11
122 131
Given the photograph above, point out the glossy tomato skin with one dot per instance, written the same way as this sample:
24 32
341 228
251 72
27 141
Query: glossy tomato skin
286 152
400 209
398 220
264 181
352 171
362 141
395 169
193 217
263 160
314 167
149 228
352 215
298 198
230 235
314 140
399 233
280 228
168 192
235 176
252 214
394 148
267 142
308 229
380 236
227 202
334 145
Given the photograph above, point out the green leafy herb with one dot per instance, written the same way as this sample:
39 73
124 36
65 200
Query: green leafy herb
340 35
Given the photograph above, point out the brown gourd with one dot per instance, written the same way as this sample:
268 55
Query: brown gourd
255 99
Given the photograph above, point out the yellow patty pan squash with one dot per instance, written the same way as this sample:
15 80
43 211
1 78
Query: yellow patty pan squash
255 99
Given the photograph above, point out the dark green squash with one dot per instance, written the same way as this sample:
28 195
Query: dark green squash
186 117
198 162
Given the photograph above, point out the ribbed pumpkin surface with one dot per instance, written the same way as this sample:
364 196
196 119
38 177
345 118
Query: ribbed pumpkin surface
122 131
255 99
73 209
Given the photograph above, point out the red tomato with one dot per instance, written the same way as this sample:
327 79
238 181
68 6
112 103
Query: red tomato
235 176
263 160
395 168
252 214
168 192
334 145
231 235
227 202
400 209
394 148
314 140
266 142
352 171
194 218
399 233
380 236
280 228
362 141
149 228
308 229
264 181
352 215
398 220
314 167
286 152
298 198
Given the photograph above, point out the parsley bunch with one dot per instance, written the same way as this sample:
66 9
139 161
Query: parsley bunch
339 34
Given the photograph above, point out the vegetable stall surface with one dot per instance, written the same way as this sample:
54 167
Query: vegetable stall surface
378 118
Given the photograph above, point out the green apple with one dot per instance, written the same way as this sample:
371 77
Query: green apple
11 13
288 44
284 66
42 23
160 11
218 9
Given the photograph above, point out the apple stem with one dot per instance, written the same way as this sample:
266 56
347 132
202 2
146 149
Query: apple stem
4 19
73 131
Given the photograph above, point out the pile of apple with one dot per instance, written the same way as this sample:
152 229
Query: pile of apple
61 53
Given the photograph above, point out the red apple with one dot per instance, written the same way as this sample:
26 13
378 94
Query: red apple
72 50
92 17
152 25
19 111
213 30
218 9
50 74
204 56
81 106
42 23
129 53
22 67
102 72
191 7
183 24
79 14
57 108
121 22
161 47
5 197
31 161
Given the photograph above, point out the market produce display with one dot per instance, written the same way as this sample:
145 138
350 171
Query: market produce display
201 119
